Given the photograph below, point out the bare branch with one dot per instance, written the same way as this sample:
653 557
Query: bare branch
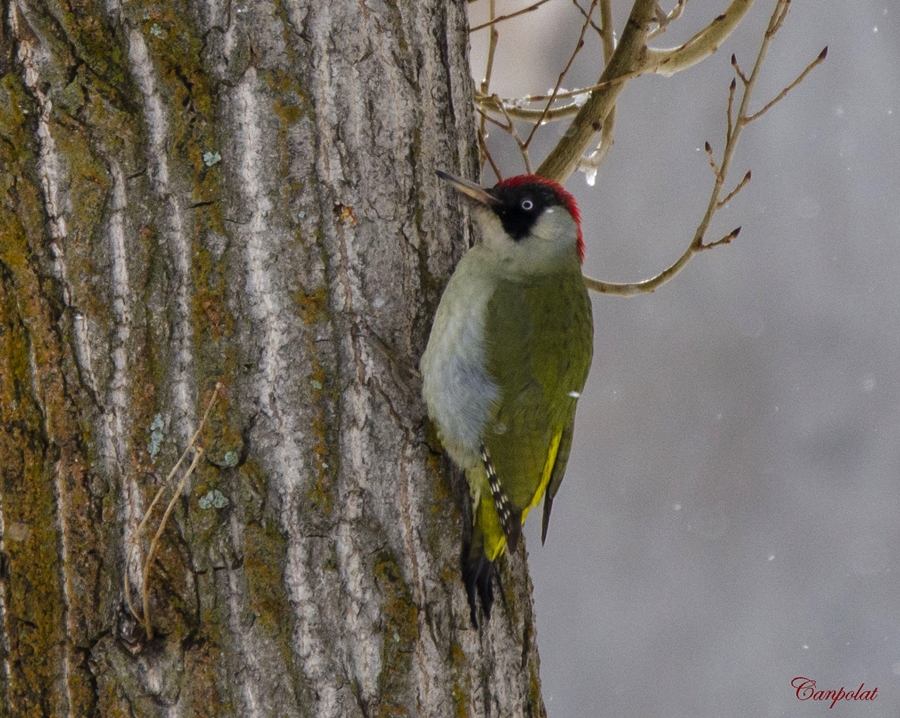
712 160
737 69
778 21
487 118
664 19
562 75
566 155
724 240
630 59
642 287
510 127
594 25
486 154
514 109
486 82
609 36
729 112
731 195
511 15
735 126
671 60
514 106
590 164
781 95
654 283
775 22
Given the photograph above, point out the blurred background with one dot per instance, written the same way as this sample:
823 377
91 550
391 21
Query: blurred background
730 518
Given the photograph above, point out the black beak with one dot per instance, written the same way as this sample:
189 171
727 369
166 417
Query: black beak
470 189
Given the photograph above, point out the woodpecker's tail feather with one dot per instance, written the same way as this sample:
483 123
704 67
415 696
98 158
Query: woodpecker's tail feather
478 575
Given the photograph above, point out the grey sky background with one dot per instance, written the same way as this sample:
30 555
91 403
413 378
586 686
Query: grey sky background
730 518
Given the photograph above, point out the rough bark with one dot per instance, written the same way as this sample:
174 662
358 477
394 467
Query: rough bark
196 192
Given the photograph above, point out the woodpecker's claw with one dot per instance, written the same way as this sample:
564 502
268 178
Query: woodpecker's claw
478 575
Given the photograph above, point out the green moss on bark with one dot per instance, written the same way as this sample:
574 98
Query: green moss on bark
401 631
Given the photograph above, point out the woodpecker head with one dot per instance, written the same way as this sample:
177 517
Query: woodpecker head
531 224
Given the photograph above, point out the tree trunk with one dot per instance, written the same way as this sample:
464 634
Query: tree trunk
236 192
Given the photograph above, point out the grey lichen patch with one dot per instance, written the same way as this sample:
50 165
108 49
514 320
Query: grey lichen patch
156 437
214 499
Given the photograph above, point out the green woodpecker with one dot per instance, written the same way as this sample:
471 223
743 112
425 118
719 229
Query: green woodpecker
506 361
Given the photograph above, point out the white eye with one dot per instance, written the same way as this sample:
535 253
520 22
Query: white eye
527 205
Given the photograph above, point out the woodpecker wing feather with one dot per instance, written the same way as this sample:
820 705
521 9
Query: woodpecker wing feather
540 338
556 477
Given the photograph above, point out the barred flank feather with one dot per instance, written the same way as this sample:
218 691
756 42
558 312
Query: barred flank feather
510 518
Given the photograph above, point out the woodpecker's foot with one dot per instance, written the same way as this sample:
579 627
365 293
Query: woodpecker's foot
478 575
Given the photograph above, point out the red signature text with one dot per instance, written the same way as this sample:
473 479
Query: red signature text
807 690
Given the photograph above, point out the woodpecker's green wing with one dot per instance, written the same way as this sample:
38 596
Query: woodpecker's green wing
539 346
559 469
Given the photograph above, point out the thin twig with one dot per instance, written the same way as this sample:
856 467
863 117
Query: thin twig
594 25
486 153
493 120
724 240
510 128
492 104
729 112
721 172
731 195
514 109
494 21
145 591
654 283
737 69
781 95
779 19
486 82
712 160
145 620
562 75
